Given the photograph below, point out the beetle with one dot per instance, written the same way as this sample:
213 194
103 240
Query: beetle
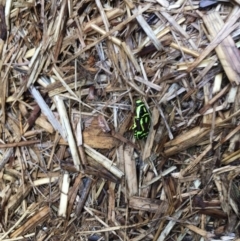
142 121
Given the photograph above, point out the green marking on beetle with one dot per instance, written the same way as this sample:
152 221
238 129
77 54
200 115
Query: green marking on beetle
142 121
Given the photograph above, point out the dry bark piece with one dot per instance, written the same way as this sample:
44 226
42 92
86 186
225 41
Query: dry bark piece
87 182
33 116
147 204
62 211
147 29
103 161
97 170
207 3
37 218
91 93
46 111
130 171
114 13
22 143
185 140
94 136
227 51
103 124
3 26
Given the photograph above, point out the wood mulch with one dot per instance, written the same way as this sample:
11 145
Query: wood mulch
71 72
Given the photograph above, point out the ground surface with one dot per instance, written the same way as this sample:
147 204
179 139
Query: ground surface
71 72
